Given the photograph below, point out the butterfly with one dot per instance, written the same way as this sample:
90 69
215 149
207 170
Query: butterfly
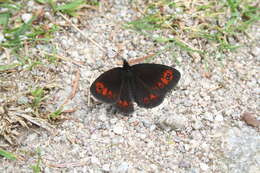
146 84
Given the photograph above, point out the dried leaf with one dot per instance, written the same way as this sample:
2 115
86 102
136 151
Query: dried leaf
250 119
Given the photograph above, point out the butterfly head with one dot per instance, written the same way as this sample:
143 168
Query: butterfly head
125 64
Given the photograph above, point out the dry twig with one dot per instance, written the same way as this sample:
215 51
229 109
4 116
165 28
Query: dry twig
82 33
75 86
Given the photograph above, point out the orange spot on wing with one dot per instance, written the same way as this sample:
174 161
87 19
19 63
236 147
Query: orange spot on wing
154 88
164 81
105 91
146 100
160 84
153 96
123 103
110 94
101 89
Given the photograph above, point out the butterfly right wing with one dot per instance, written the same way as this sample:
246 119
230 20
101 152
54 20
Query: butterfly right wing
107 86
152 82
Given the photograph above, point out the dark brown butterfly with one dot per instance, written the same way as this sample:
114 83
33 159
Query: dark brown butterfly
146 84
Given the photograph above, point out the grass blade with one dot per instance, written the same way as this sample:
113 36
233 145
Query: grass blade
7 154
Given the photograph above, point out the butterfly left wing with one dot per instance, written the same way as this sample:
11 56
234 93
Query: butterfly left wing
152 82
108 85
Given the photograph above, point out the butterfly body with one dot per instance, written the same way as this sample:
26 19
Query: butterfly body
146 84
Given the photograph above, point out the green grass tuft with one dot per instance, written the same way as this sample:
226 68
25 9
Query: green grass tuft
38 97
214 22
36 167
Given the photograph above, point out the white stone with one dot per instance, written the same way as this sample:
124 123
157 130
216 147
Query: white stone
102 117
197 125
111 53
2 111
141 135
179 122
31 4
154 167
219 118
94 160
113 121
106 167
208 117
204 166
175 122
2 38
153 127
117 140
118 129
94 136
26 17
123 167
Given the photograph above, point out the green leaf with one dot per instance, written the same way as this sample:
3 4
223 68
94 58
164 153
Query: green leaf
25 27
7 154
4 18
55 114
10 6
41 1
37 166
9 66
38 94
70 6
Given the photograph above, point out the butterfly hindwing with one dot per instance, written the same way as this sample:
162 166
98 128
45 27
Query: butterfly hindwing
107 86
124 103
144 96
151 82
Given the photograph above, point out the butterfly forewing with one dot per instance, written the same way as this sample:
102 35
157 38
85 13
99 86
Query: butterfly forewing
157 76
151 82
107 86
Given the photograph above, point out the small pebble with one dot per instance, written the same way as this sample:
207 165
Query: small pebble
219 118
184 164
111 53
123 167
2 111
118 129
26 17
117 140
204 167
197 125
141 135
106 167
173 122
22 100
94 160
103 117
208 117
2 38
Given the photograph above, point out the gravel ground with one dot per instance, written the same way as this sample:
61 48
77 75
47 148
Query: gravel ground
198 127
